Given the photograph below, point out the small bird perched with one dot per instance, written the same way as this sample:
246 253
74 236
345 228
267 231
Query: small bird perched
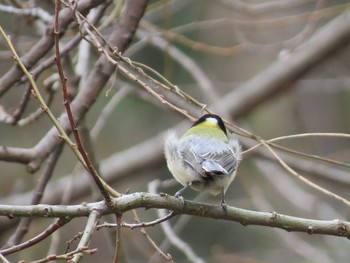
204 158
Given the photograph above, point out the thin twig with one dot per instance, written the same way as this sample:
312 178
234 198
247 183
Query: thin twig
135 73
98 77
140 224
37 94
292 171
303 179
22 105
89 230
87 163
302 135
309 250
31 242
196 45
67 256
177 242
117 238
107 110
170 233
38 193
150 223
72 240
167 256
36 114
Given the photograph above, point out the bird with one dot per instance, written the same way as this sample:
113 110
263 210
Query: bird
204 158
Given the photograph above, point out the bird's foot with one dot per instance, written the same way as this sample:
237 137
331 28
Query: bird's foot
178 194
224 206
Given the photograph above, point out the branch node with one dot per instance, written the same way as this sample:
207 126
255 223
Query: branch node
342 229
310 230
273 215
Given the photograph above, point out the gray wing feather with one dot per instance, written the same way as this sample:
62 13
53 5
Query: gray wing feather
225 159
211 163
210 166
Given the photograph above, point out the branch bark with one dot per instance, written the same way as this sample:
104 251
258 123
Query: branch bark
146 200
269 83
44 45
97 79
280 75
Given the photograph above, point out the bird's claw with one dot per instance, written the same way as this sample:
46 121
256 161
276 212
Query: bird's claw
224 205
182 200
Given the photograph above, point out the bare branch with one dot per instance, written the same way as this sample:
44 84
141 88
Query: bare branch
52 228
43 46
4 260
38 193
150 223
66 256
278 77
255 9
85 240
128 202
96 80
86 160
34 12
19 155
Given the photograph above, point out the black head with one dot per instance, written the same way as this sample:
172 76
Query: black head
205 118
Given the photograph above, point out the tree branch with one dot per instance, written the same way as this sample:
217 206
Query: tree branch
43 46
22 227
98 77
128 202
52 228
66 101
278 77
85 240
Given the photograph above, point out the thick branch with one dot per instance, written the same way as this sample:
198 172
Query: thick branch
145 200
19 155
267 84
43 46
277 77
99 76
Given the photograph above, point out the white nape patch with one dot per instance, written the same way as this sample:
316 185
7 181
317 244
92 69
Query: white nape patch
212 120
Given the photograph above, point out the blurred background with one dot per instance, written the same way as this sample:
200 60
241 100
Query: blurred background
208 49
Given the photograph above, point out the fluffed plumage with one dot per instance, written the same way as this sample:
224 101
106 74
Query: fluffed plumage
204 158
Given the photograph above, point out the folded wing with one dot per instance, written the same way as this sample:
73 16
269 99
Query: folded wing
210 164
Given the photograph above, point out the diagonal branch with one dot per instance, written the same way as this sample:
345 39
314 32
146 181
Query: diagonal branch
52 228
86 160
43 46
23 225
278 76
98 77
90 228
